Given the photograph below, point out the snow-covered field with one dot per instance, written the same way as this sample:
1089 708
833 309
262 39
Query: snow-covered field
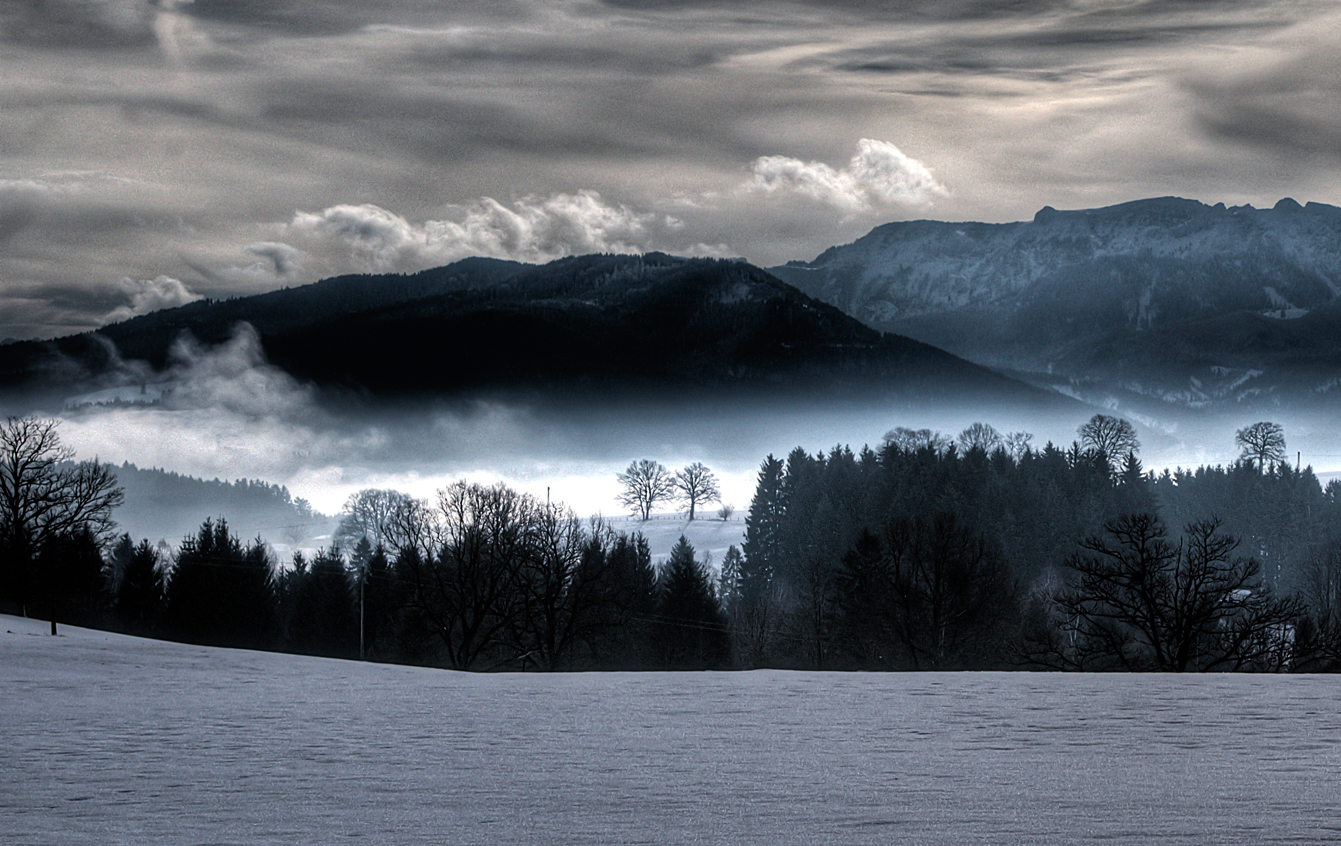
710 535
107 739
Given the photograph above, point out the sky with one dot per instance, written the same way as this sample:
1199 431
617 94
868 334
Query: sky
157 151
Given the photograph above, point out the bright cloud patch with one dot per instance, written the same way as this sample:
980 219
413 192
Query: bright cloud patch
531 229
146 295
878 175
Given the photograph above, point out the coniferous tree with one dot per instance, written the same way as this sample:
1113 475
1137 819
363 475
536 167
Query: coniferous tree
763 549
323 619
692 627
222 593
138 602
629 582
728 579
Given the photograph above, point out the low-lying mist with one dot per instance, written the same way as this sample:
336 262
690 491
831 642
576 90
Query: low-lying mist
225 412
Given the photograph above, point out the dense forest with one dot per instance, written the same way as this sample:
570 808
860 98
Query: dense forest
165 506
925 552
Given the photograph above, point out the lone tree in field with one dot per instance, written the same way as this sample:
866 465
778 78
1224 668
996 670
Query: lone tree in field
45 500
1263 443
645 483
1112 436
696 484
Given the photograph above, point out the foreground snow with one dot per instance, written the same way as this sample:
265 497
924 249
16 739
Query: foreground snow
109 739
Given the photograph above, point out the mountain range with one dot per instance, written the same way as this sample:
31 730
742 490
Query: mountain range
1152 308
1148 304
589 328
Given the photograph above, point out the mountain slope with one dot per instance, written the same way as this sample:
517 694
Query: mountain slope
579 328
1169 298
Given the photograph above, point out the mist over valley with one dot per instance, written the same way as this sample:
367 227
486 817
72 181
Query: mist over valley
554 377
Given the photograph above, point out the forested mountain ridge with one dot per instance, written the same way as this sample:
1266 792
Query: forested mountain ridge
1168 298
586 325
161 505
149 338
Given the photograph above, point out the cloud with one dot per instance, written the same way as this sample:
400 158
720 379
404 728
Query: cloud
1282 96
146 295
530 229
85 23
234 377
283 260
879 175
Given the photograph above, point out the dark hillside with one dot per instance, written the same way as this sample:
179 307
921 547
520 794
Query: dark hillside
579 328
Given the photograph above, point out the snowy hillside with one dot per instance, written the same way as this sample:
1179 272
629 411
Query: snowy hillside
1288 257
1152 297
112 739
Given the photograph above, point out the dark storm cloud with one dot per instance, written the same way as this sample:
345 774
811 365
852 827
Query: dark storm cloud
1288 105
876 9
334 17
79 23
235 142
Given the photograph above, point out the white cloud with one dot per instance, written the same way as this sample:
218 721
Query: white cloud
234 377
280 260
530 229
880 174
146 295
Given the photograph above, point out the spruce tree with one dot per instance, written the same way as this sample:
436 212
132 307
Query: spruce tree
139 589
221 593
763 532
692 626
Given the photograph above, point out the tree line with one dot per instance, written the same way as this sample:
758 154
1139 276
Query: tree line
924 552
979 551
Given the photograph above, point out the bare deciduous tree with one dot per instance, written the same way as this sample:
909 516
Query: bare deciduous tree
645 483
1139 602
1017 444
1112 436
979 436
373 514
696 484
912 440
1263 443
44 498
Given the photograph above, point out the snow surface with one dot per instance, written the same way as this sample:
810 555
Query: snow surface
114 740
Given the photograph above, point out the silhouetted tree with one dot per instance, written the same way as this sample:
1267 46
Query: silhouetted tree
979 436
692 627
71 574
221 593
929 594
1263 443
914 440
376 515
728 578
1017 444
138 602
1139 602
1110 436
45 500
696 484
323 617
763 532
645 483
468 592
626 639
560 589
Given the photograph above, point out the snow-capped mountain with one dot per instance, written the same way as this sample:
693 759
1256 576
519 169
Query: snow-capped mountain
1168 298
